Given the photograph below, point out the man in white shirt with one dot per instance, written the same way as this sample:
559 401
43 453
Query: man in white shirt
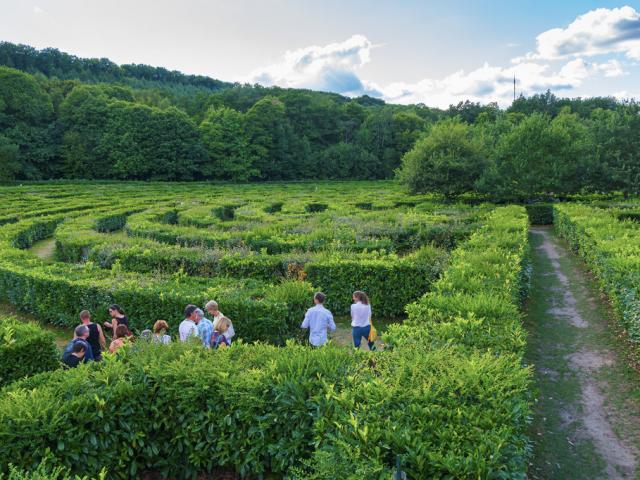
188 327
318 320
216 315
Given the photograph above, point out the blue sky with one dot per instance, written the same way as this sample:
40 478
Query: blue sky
403 51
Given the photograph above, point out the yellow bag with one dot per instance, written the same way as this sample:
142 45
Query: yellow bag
372 334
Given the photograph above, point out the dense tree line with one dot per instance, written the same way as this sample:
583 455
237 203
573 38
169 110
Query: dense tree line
519 156
52 127
67 117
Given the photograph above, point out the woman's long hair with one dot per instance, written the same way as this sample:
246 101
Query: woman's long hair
361 297
116 308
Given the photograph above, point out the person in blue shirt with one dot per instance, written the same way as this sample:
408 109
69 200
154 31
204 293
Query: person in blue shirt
80 335
205 328
319 321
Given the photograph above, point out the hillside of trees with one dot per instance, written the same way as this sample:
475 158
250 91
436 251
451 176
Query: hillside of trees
66 117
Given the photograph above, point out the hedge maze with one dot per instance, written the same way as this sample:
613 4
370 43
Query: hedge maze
449 394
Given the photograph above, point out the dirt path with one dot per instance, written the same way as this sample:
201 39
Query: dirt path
45 249
342 335
587 413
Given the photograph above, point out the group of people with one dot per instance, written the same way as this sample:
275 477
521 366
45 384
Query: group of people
319 321
89 339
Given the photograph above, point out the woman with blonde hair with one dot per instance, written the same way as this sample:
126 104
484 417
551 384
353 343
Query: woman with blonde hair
218 339
216 315
361 320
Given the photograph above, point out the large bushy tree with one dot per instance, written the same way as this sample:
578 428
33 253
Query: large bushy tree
26 130
539 155
448 160
225 139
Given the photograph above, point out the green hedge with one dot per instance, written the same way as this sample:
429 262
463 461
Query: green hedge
450 409
633 216
45 471
390 282
611 248
57 292
540 214
25 349
261 410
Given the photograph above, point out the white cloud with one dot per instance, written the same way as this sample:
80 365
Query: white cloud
597 32
625 95
331 67
558 64
489 83
37 10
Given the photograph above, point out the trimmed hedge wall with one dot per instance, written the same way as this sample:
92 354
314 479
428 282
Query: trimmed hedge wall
611 249
540 214
25 349
391 281
450 406
57 292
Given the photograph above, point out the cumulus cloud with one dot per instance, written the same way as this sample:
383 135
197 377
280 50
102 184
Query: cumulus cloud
37 10
331 67
490 83
563 61
597 32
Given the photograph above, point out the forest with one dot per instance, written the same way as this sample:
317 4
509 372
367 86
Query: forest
64 117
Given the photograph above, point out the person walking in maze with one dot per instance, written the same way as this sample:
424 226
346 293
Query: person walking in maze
216 315
117 318
361 320
80 335
75 356
96 336
123 336
319 321
188 327
205 328
218 340
160 329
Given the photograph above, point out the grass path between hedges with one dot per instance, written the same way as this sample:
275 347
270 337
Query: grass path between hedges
587 413
63 335
44 249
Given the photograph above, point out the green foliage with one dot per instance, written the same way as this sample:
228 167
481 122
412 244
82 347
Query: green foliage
46 471
561 148
448 160
316 207
274 207
480 291
225 212
390 283
346 160
223 134
451 377
27 138
540 214
25 349
610 247
68 117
